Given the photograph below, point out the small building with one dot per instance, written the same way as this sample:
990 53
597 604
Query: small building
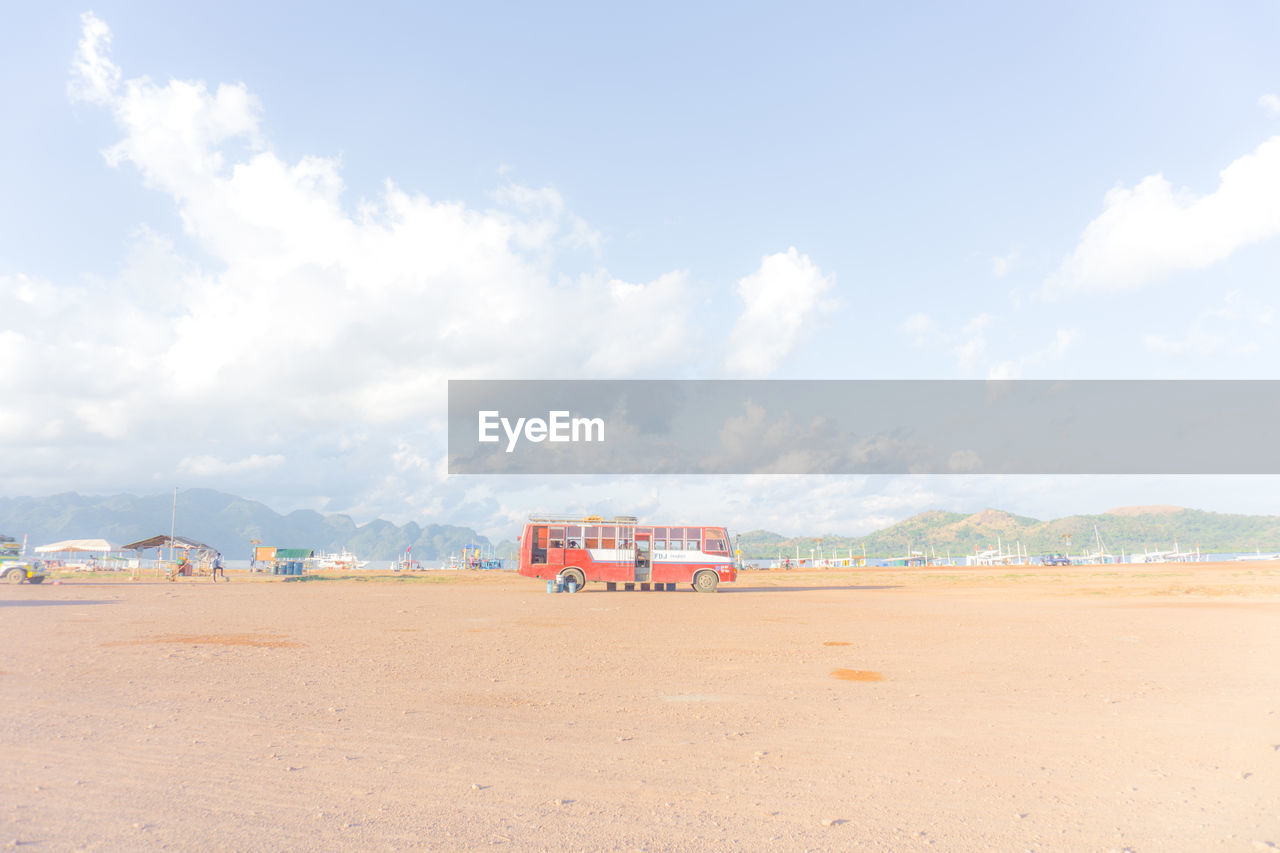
290 561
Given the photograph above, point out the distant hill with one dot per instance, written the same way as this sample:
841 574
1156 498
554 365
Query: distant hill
1125 529
228 523
224 521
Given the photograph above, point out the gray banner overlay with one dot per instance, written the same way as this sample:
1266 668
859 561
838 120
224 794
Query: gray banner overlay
863 427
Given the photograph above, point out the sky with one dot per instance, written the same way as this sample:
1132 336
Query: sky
250 256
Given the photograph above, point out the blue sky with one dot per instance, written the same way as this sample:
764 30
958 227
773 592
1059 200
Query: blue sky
264 293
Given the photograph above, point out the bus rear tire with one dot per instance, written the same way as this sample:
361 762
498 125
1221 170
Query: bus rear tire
575 575
706 581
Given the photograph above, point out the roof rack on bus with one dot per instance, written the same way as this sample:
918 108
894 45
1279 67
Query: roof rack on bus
585 519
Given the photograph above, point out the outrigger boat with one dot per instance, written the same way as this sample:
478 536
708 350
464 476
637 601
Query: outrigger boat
343 562
406 563
1256 557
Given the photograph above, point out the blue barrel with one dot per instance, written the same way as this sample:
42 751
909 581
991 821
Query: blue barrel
572 586
551 586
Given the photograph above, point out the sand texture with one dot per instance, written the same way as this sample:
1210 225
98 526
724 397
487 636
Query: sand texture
1085 708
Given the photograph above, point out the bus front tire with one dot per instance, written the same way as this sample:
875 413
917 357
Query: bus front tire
706 581
575 575
16 576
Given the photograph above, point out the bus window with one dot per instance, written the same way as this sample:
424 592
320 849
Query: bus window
659 538
608 537
692 535
557 537
593 537
716 541
538 553
573 536
676 539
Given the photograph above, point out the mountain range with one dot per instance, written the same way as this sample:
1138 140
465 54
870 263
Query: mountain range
1127 529
229 523
226 522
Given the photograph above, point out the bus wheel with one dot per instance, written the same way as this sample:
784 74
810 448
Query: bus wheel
575 575
706 581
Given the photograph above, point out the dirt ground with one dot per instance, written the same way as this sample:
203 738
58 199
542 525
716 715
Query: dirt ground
1088 708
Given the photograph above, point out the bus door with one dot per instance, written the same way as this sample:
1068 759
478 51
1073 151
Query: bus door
538 546
644 555
625 549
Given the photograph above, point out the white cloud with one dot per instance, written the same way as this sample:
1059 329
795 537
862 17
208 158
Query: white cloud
1227 328
966 345
1196 342
1005 370
1000 266
205 466
1053 352
96 77
1270 103
963 461
1153 230
1062 342
969 347
920 329
779 297
311 335
308 301
972 342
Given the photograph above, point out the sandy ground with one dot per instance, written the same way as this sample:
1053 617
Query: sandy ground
1039 709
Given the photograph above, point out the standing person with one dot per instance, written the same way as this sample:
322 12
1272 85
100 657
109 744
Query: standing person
217 568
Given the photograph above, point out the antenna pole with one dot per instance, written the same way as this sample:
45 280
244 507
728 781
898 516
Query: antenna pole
173 521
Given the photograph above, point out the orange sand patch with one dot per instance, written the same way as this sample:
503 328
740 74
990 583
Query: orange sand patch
856 675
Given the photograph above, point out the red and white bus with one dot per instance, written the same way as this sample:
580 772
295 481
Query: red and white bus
589 548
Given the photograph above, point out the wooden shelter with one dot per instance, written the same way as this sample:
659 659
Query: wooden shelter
196 557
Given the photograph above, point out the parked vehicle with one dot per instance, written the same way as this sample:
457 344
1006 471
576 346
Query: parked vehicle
577 550
14 569
1055 560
